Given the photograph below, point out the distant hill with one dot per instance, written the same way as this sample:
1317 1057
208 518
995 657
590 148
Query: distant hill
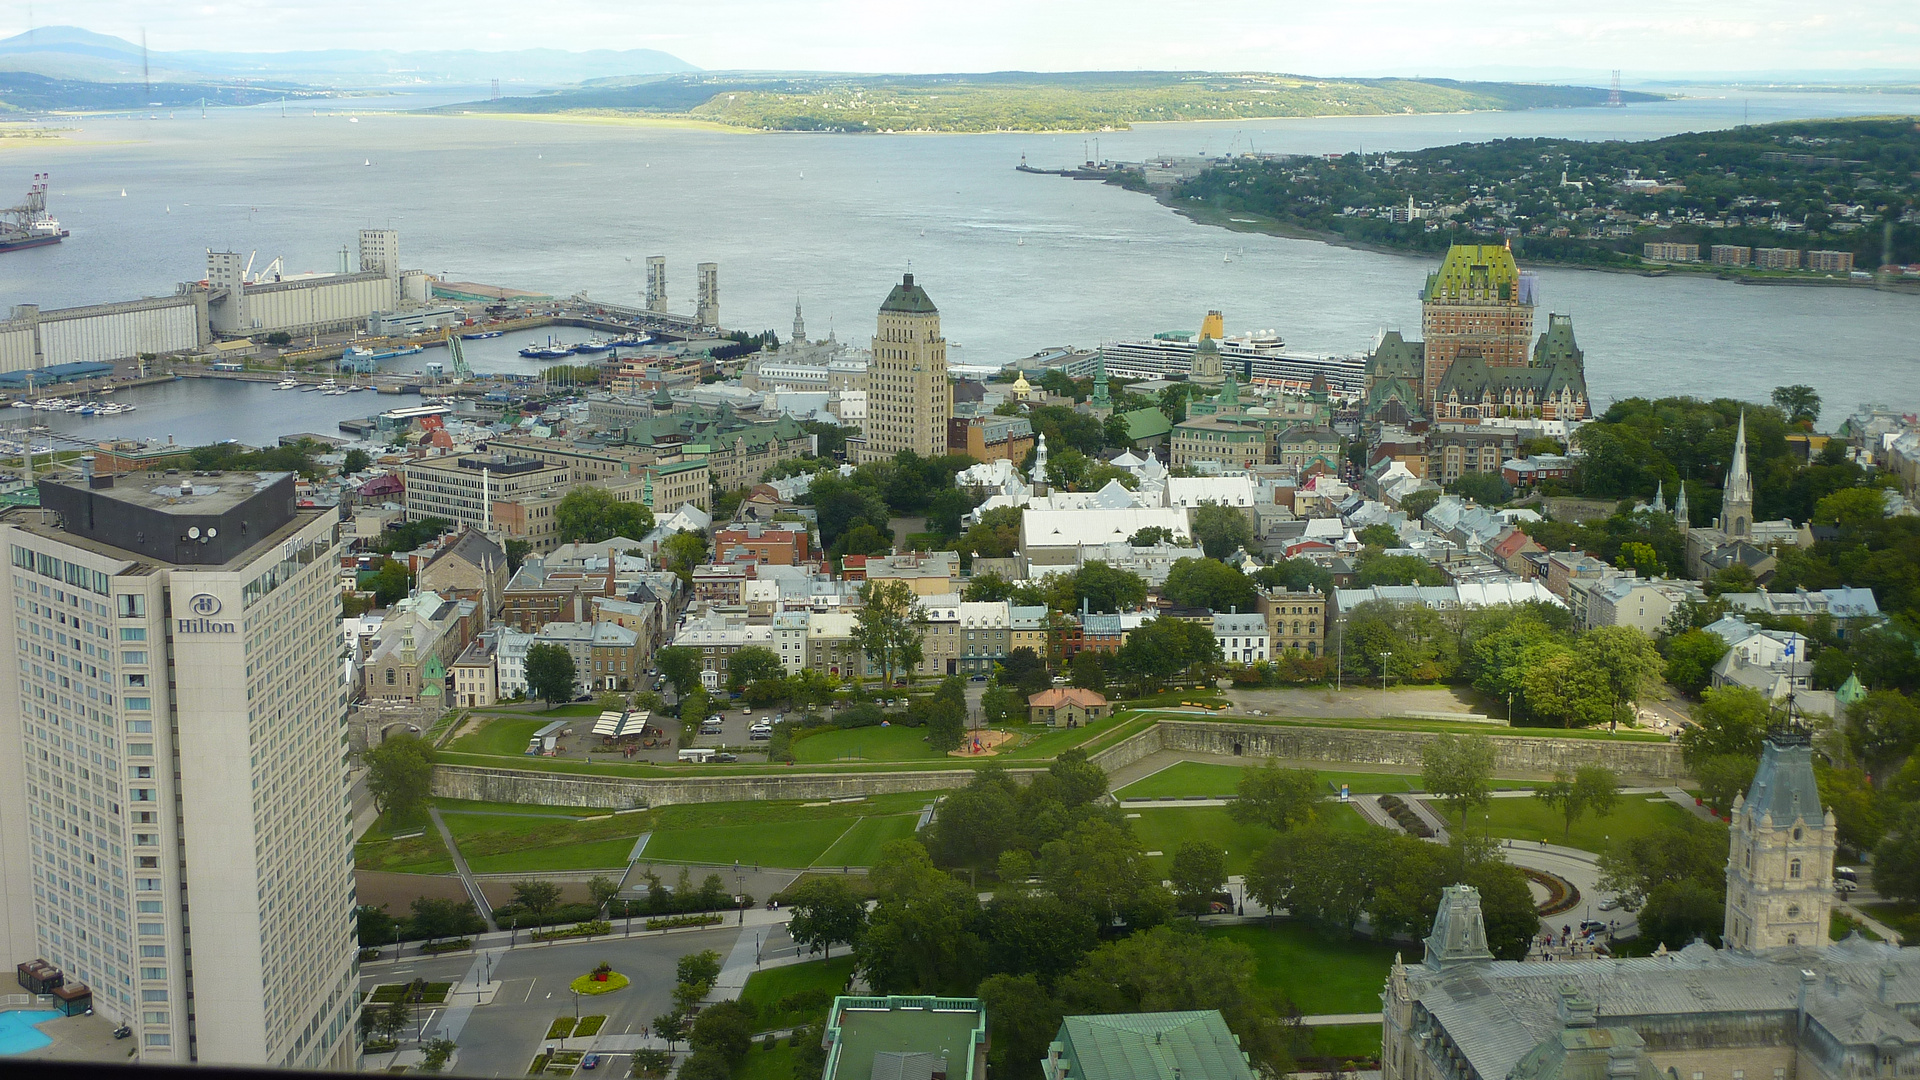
25 92
1024 100
69 53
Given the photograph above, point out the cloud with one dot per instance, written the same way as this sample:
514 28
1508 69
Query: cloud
1358 37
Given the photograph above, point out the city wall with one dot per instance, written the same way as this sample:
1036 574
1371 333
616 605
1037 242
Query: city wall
1518 756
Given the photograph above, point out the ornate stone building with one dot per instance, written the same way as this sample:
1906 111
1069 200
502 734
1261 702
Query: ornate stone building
1478 301
1776 1002
909 397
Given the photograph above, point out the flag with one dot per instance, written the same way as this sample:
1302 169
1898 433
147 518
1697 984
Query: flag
1790 650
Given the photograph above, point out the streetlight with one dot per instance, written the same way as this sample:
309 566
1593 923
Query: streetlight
1384 657
739 895
576 1004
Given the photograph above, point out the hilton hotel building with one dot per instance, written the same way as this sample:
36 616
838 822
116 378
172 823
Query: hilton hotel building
174 819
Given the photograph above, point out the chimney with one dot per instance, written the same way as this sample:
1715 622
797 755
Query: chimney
86 466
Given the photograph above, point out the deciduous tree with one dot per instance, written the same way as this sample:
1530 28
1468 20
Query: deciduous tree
1459 770
826 911
1220 530
550 673
1590 789
1278 798
890 627
400 777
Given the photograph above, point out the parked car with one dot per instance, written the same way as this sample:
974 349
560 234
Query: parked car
591 1061
725 757
1609 903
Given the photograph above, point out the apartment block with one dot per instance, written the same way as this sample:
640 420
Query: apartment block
463 488
1665 252
1832 262
1777 258
1730 255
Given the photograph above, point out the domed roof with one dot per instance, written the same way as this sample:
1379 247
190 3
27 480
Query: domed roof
1021 384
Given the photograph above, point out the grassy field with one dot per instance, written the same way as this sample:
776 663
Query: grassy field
1188 778
1316 974
1531 819
860 845
423 854
1164 829
775 1064
471 806
765 988
590 855
1348 1042
504 737
866 744
1900 917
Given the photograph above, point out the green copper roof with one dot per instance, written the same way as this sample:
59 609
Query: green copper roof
1474 272
909 299
1152 1046
1146 424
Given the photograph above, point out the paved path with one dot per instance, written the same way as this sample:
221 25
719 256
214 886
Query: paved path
1336 1019
474 892
1886 932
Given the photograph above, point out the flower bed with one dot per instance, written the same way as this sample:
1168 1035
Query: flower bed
1403 816
588 984
673 922
1562 895
585 929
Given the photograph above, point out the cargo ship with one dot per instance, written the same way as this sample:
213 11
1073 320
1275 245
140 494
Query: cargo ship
27 225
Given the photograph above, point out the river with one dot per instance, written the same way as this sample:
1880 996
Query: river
1016 262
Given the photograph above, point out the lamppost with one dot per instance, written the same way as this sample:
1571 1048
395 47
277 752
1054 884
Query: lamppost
739 896
1384 657
513 927
576 1004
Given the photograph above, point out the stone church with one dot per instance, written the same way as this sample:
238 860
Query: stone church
1776 1001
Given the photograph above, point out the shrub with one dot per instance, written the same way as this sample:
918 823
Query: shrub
672 922
591 928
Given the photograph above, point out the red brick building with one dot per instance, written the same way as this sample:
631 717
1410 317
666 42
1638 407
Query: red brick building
771 544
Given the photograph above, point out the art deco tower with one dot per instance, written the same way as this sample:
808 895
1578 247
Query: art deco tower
909 397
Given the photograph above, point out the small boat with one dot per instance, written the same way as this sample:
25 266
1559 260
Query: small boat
369 163
1022 242
592 347
483 335
286 384
356 388
123 193
353 119
23 404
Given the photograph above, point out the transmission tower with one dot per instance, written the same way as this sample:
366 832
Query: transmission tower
1613 97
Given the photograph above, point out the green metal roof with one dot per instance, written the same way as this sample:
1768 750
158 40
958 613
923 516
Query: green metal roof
860 1027
1474 272
1146 424
1152 1046
909 299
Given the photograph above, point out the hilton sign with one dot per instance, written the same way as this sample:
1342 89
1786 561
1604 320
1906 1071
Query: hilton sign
203 606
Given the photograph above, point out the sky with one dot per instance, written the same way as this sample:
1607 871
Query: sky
1647 39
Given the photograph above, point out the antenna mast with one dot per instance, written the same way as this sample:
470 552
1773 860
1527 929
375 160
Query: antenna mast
146 77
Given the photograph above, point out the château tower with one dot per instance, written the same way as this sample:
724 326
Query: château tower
1780 868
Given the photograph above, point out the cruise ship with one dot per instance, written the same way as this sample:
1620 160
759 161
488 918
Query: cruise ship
1259 358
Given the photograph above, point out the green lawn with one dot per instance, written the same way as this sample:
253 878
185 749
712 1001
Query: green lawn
1164 829
765 989
861 844
1318 975
775 1064
499 737
1185 778
865 744
1899 916
1348 1042
423 854
1531 819
591 855
788 843
471 806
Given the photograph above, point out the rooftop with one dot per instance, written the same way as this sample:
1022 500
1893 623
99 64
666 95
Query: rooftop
861 1029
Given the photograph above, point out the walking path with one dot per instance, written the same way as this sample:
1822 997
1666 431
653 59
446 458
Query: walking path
474 892
1337 1019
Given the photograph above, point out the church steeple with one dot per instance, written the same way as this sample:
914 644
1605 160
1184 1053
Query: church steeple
1660 497
1040 465
799 324
1100 404
1680 509
1736 510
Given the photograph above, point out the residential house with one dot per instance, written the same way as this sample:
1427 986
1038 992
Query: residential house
475 681
831 647
928 573
1630 600
1067 706
985 635
606 656
1242 638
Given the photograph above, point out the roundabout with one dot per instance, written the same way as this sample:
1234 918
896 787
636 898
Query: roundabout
600 982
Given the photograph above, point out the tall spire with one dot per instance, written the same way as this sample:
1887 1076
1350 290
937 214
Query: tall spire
1660 497
799 324
1739 484
1680 508
1040 462
1100 379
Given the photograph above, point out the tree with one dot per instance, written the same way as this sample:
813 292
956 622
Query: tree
671 1027
890 627
1163 648
1591 788
1105 588
751 664
550 672
1722 745
435 918
355 461
391 583
373 926
1855 510
1380 536
1882 729
394 1020
946 715
995 536
1220 530
680 665
1458 769
1275 797
400 777
1799 403
536 897
1295 575
987 588
1207 583
603 890
437 1053
1558 689
1417 504
683 551
724 1028
1691 657
1199 871
1088 671
517 552
1488 489
1023 1016
825 910
590 515
1101 866
1374 568
1688 850
920 936
1678 911
698 968
1626 659
1896 859
1150 536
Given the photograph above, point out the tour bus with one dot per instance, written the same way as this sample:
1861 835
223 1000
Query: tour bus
699 755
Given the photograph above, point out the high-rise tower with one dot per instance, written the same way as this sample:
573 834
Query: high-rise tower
657 283
1780 869
909 397
1479 302
707 311
173 806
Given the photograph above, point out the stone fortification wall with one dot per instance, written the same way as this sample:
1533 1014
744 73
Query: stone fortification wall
621 793
1520 756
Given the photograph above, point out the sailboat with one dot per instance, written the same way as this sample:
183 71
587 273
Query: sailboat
123 193
369 163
